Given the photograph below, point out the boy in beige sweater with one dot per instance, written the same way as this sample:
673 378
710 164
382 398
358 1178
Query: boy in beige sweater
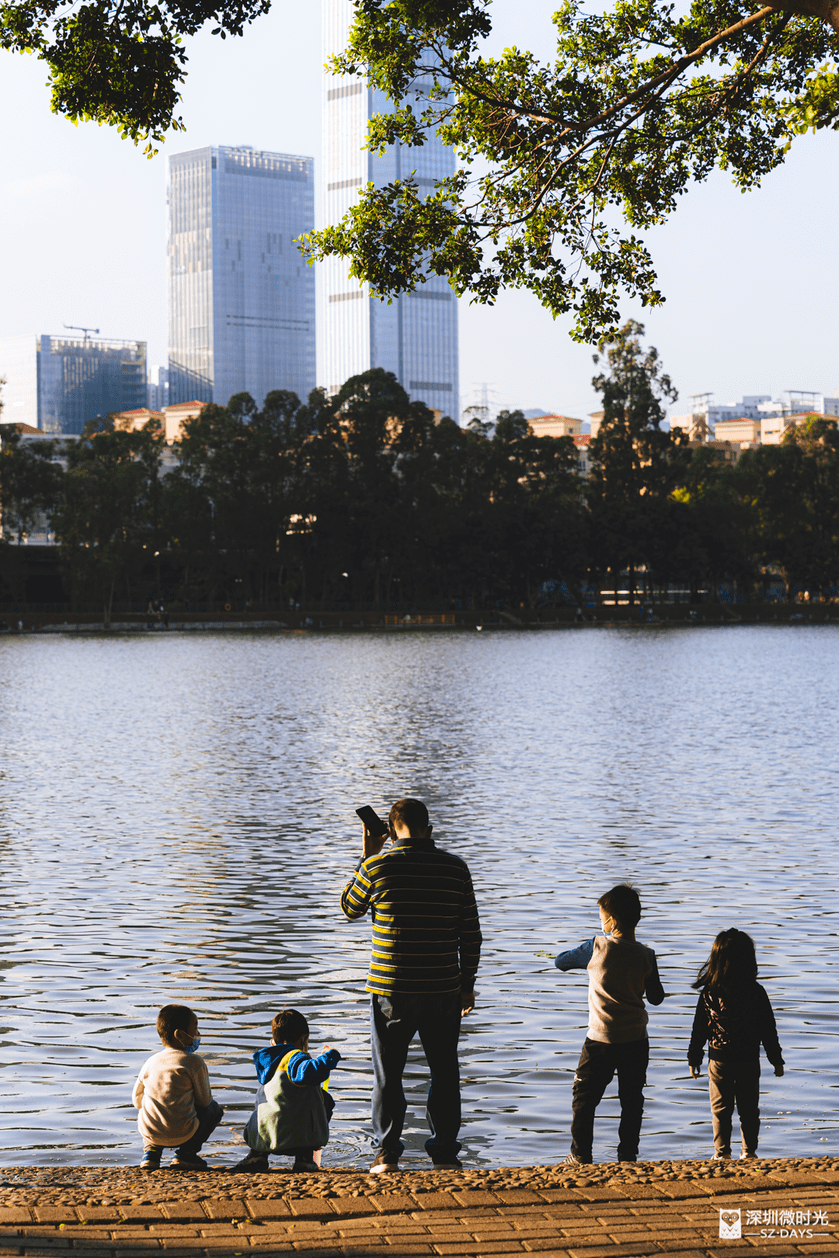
173 1095
621 973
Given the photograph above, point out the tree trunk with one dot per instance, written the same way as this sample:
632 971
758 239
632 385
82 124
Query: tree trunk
109 602
827 10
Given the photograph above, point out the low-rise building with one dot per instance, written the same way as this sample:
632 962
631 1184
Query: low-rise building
556 426
742 432
772 430
177 415
170 418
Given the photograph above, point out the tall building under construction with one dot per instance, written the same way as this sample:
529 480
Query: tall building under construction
60 383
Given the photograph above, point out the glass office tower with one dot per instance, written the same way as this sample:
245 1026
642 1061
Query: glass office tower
241 298
58 383
415 336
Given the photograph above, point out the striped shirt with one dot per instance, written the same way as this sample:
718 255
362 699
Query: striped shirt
426 933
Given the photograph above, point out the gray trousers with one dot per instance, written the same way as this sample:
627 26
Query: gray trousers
735 1083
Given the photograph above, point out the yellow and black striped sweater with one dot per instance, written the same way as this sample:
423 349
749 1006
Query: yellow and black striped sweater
426 933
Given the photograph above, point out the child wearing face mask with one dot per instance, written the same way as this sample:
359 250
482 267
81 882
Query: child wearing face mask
173 1095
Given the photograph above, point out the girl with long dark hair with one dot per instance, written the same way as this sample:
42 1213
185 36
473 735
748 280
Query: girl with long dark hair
734 1016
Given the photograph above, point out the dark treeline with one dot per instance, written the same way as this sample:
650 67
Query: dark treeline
362 500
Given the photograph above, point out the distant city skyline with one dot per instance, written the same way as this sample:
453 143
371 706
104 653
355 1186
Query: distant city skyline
749 279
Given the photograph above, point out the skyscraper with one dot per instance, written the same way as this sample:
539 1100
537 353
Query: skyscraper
59 383
241 298
415 336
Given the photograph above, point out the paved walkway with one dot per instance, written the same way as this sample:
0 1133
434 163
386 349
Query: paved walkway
785 1207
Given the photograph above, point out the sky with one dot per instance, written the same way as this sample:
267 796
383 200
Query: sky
750 279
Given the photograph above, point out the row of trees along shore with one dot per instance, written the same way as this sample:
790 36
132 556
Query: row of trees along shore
363 500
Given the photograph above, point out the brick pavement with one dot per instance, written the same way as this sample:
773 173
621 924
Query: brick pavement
783 1211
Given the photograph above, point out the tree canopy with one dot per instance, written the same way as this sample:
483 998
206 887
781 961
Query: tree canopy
561 164
118 62
367 499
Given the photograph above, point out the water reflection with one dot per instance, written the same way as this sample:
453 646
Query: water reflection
177 821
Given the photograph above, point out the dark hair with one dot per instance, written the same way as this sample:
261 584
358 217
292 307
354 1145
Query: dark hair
288 1026
731 965
173 1018
623 904
411 813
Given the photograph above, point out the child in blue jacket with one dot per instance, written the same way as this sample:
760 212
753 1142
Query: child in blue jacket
292 1110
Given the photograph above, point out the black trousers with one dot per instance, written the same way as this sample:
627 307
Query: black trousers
596 1069
394 1020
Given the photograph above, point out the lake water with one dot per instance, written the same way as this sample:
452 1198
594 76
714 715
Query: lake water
177 823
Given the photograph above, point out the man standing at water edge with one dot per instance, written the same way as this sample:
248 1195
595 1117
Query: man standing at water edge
426 948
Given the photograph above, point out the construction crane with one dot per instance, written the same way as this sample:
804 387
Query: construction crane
71 327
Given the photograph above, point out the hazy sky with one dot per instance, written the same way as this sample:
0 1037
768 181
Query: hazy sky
750 280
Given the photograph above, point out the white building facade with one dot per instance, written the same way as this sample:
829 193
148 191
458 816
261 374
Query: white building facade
416 335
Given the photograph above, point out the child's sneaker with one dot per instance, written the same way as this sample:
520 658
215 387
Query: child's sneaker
189 1162
253 1164
304 1164
151 1160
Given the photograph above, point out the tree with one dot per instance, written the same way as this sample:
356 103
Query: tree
119 63
792 490
230 501
534 515
30 487
105 523
383 432
640 102
715 539
636 465
29 481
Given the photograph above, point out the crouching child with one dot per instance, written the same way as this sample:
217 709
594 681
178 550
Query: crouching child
292 1109
173 1095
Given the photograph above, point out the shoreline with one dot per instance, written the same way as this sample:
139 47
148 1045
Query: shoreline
28 625
608 1209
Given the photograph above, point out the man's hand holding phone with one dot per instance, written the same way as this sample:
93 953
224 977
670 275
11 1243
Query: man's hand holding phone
376 831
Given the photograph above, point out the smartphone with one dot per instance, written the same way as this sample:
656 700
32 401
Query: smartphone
375 826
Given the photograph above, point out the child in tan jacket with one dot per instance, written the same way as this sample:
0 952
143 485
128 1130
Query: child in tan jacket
173 1095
